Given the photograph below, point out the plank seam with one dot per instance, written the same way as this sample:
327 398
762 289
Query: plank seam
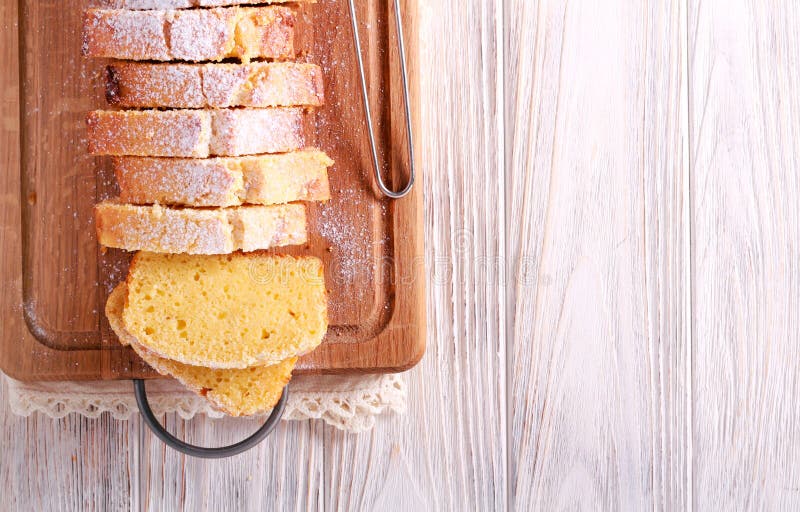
686 109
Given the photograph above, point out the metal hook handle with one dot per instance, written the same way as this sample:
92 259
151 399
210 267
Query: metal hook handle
367 111
200 451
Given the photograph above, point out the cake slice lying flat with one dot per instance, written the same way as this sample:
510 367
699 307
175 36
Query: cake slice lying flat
258 84
199 231
237 392
232 311
182 4
228 181
195 133
194 35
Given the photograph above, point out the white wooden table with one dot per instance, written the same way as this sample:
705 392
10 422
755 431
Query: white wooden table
613 236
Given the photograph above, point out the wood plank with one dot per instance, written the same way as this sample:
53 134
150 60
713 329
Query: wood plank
73 463
745 122
448 452
597 406
282 473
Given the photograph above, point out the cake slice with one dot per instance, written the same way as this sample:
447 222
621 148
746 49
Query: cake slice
182 4
237 392
224 312
193 35
227 181
258 84
195 133
199 231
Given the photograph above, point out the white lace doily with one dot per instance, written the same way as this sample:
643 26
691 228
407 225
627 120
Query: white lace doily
350 403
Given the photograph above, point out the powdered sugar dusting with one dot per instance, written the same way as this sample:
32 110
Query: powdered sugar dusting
195 133
195 231
156 85
347 228
191 35
258 84
135 35
149 133
225 181
203 35
224 83
196 182
143 4
179 4
249 132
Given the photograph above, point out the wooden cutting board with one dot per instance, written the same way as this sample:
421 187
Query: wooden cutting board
57 278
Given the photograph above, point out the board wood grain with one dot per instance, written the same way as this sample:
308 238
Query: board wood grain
745 120
597 397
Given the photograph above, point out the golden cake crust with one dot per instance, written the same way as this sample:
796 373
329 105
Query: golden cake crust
194 35
258 84
195 133
199 231
228 181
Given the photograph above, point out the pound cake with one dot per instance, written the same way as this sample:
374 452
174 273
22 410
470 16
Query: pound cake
229 181
195 133
190 35
199 231
258 84
237 392
224 312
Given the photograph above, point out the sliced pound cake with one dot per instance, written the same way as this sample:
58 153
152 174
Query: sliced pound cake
195 133
237 392
199 231
224 312
229 181
258 84
190 35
